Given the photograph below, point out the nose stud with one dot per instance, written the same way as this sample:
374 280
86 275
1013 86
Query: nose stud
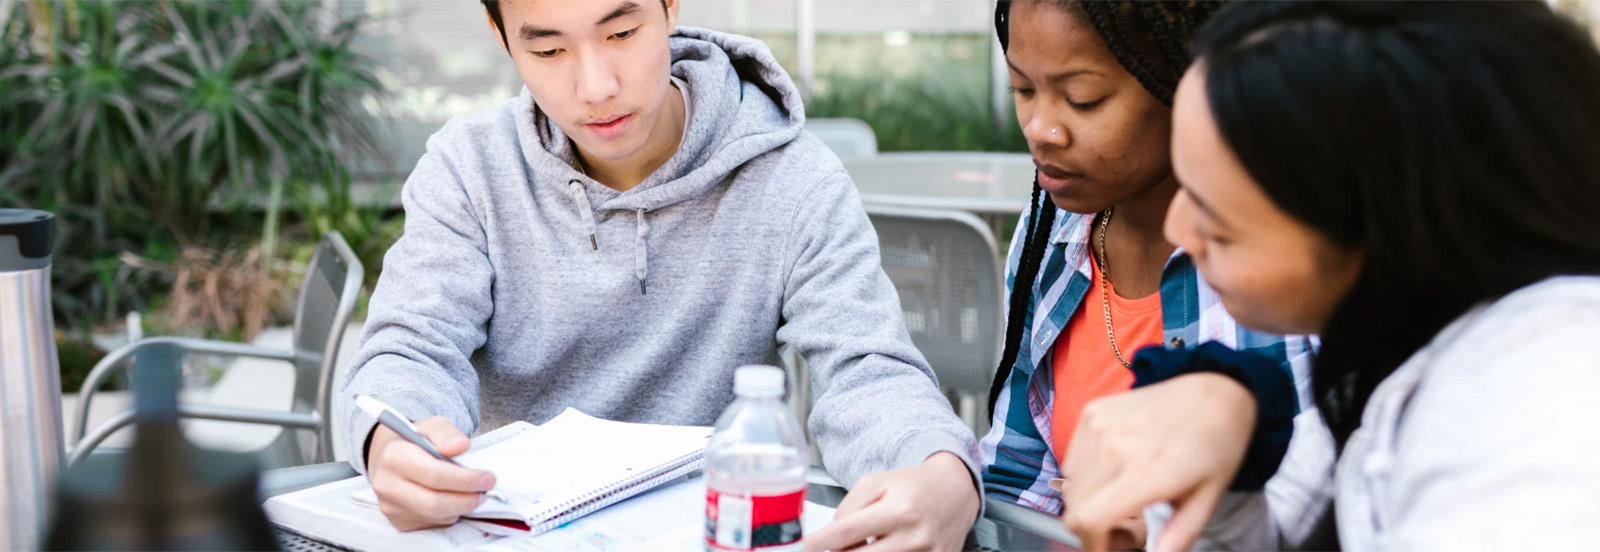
1055 131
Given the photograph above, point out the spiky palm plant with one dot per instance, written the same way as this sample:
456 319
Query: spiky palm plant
151 126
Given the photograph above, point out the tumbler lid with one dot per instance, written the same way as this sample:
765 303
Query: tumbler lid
25 239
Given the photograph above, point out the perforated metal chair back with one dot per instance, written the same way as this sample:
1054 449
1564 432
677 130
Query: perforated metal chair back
946 267
848 138
327 298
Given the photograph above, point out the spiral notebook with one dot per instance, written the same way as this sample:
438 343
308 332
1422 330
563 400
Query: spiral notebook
576 464
552 474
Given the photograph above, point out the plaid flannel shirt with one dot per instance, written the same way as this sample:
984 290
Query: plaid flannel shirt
1017 454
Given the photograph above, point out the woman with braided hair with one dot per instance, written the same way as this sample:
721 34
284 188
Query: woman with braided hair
1091 277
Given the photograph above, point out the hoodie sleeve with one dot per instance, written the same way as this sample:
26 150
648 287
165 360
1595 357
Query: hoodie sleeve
877 406
428 313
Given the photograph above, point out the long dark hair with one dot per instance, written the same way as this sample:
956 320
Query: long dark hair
1151 40
1455 144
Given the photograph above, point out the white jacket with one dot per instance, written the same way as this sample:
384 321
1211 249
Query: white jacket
1487 439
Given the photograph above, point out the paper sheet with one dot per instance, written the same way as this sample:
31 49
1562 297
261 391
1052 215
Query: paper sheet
327 513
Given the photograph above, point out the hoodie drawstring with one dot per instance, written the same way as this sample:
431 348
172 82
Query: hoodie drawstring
641 257
584 210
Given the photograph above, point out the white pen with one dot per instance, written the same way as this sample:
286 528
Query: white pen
392 419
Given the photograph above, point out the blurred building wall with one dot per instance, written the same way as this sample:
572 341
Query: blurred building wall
441 60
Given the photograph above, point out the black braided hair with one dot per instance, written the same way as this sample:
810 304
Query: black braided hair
1151 41
1042 219
1166 37
1121 43
1150 38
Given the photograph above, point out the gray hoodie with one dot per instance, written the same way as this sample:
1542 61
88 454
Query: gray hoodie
522 287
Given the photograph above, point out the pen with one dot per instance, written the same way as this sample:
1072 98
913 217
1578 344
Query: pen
392 419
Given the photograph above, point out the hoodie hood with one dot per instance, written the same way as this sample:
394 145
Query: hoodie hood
744 105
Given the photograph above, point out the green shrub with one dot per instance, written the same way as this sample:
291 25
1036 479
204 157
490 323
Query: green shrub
77 358
918 92
917 113
148 128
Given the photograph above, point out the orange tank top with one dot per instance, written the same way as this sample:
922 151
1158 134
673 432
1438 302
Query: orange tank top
1084 366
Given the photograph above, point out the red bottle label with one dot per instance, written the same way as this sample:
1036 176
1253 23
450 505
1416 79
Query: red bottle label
768 523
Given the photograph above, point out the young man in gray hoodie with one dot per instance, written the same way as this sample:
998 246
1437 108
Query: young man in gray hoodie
646 216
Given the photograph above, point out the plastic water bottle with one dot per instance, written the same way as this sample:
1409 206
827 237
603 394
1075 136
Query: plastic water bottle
756 468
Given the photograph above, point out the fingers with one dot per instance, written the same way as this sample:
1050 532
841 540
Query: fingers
855 519
869 490
1100 495
1167 442
1093 461
1099 511
449 440
839 536
887 544
410 462
1189 518
380 439
1058 484
1084 453
410 506
416 490
1129 534
1121 539
847 532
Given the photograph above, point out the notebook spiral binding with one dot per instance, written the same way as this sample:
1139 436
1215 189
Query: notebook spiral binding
617 492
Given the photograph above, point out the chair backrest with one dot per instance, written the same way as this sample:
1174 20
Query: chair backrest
946 267
327 298
848 138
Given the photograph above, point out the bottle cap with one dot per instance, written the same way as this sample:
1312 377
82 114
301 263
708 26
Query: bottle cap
758 381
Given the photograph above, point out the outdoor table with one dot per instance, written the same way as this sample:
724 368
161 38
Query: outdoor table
1005 526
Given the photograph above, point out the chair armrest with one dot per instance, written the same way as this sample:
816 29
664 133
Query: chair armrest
114 362
250 416
88 443
225 348
85 445
287 480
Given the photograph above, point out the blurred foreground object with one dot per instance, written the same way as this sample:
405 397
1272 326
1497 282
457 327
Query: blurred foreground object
166 494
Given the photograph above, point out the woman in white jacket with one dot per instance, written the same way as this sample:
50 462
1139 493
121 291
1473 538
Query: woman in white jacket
1419 184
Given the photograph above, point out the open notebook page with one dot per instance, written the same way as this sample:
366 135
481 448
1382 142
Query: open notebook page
546 469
